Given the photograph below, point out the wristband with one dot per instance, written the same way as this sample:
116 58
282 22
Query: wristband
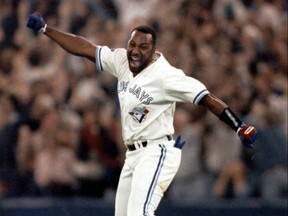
43 29
230 119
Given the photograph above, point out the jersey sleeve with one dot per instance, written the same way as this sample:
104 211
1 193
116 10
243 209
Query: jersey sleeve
181 88
110 60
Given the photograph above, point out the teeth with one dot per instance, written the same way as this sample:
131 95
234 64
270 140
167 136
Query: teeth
135 58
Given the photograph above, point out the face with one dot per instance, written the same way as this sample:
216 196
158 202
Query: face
140 51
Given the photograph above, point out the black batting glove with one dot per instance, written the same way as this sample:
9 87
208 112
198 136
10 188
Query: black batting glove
36 23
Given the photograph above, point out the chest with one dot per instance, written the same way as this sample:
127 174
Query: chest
138 90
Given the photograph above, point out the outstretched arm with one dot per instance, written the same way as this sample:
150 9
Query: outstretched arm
73 44
246 133
214 104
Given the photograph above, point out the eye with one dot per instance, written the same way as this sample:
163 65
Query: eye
131 45
144 47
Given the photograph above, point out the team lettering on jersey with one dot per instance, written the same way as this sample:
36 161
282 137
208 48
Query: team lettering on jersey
137 91
122 86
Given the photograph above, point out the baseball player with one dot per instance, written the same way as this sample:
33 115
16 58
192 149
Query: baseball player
148 89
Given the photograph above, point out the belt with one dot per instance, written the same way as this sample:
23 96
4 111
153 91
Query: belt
142 144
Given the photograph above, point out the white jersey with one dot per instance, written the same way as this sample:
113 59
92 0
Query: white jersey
148 100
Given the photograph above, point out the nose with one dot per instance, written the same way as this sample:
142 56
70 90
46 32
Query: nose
135 50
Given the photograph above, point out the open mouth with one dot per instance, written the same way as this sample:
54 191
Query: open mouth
134 62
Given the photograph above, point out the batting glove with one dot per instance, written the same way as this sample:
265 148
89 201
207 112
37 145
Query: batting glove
247 135
36 23
178 143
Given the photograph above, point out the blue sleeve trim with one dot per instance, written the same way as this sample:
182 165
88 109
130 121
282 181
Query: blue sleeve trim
199 96
99 66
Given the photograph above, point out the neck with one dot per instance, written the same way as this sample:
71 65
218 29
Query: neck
154 58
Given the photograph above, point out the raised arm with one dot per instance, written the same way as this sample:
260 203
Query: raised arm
246 133
73 44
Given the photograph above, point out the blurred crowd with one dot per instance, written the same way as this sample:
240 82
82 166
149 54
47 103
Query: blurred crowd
60 132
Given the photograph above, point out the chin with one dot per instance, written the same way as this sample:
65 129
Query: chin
138 69
135 70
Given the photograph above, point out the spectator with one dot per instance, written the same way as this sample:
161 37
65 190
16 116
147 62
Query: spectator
98 147
191 181
37 127
9 124
54 161
268 169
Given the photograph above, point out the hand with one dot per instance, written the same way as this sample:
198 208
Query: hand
36 23
247 135
178 143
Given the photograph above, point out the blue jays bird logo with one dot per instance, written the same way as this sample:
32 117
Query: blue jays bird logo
139 114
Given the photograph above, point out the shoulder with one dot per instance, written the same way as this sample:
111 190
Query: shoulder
103 51
163 73
163 64
108 58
